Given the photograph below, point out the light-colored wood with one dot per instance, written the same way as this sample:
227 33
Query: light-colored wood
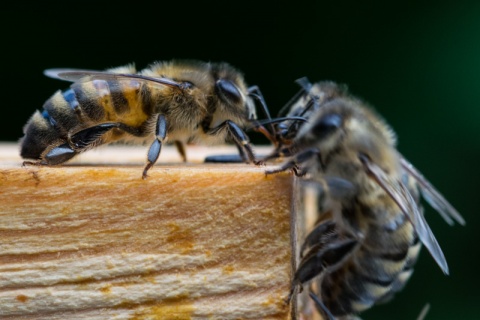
92 240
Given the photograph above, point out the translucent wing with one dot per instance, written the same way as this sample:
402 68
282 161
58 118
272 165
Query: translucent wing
402 197
78 75
432 196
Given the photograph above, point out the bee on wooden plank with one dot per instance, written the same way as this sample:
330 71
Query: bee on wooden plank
178 101
366 201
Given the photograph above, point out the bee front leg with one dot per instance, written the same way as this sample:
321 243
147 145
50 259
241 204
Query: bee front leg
156 146
240 139
295 162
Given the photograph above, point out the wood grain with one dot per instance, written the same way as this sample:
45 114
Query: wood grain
92 240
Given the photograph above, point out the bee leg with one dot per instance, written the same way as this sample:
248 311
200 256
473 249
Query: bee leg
240 139
293 164
227 158
57 155
241 153
156 146
75 144
320 306
320 259
318 234
242 142
181 149
90 137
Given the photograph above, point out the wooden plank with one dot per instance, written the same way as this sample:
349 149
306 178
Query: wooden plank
92 240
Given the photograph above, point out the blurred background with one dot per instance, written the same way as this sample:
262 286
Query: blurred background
418 64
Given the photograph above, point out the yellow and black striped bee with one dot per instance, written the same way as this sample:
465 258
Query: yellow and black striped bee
178 101
366 199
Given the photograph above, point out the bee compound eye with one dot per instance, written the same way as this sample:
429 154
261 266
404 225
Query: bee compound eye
327 125
228 91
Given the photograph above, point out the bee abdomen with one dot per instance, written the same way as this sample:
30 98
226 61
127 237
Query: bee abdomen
404 276
61 110
89 102
373 273
360 284
39 135
83 105
51 126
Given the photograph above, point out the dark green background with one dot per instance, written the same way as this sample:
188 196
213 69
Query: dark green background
418 64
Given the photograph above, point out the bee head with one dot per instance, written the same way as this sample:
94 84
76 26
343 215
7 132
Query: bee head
324 130
327 125
344 124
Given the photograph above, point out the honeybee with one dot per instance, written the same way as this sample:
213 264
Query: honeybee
178 101
366 198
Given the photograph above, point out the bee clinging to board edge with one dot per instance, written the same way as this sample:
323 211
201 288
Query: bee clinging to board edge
365 197
178 101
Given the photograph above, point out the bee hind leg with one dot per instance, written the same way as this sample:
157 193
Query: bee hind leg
320 234
294 163
90 137
59 154
322 258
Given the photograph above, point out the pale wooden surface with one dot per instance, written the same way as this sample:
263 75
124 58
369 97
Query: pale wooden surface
92 240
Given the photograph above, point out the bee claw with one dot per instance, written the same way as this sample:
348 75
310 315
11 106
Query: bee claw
260 163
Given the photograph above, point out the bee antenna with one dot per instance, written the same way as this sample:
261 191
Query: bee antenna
256 94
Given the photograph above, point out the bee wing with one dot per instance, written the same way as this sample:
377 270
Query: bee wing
79 75
432 196
402 197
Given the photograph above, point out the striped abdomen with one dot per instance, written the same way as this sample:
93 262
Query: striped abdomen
83 105
378 269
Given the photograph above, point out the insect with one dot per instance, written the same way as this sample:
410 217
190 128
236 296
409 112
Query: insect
366 199
178 101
